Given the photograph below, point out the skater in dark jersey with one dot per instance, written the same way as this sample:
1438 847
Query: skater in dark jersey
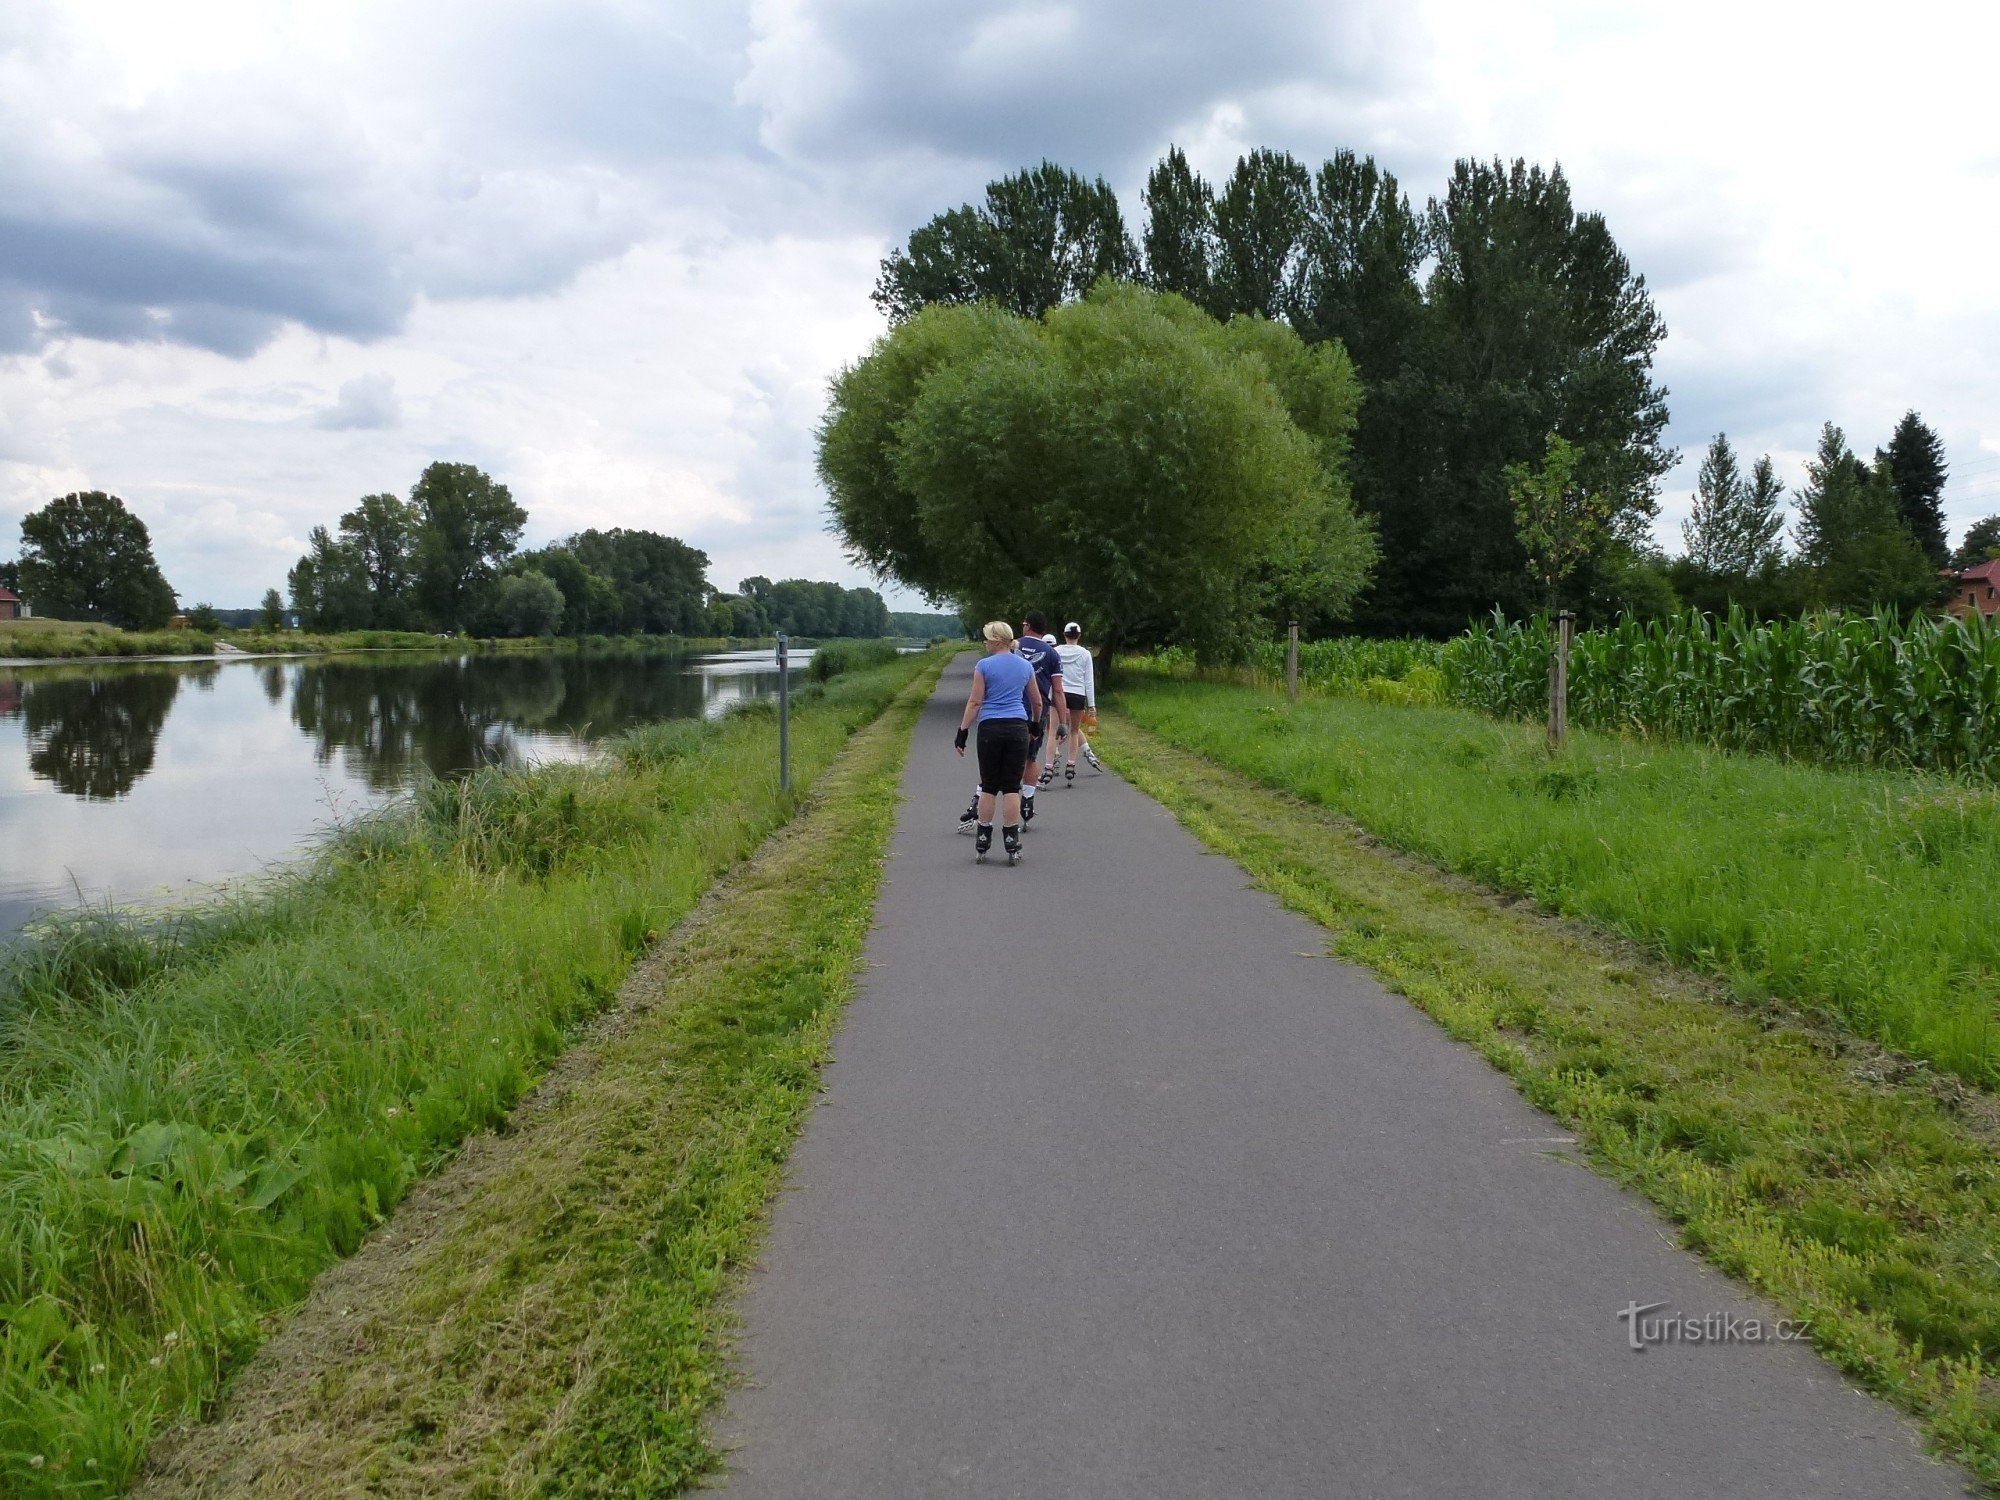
1048 678
1003 701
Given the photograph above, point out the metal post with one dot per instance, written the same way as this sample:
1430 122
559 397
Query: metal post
1292 661
1559 681
784 714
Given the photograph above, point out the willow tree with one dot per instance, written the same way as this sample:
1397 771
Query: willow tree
1126 461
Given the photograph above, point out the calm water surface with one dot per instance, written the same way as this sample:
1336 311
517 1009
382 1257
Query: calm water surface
133 782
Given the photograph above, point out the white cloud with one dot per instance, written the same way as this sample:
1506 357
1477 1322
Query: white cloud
367 402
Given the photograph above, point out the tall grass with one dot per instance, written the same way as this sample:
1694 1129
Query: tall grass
1871 895
196 1118
32 640
830 660
1848 689
1840 689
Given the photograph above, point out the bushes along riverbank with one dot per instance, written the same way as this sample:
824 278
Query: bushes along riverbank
196 1118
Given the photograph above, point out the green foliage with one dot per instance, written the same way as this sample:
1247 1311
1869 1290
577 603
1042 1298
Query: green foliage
203 617
84 556
198 1116
1850 690
1041 238
466 525
1734 528
1851 535
329 585
1260 234
271 613
1180 240
822 611
383 532
828 662
1980 543
1560 524
1915 463
1179 477
1530 321
525 604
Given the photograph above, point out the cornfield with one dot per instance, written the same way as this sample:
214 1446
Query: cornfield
1845 690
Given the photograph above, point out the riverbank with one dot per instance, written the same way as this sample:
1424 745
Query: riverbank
572 1275
198 1117
26 642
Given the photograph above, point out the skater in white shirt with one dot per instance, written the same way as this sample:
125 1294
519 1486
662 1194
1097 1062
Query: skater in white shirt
1079 680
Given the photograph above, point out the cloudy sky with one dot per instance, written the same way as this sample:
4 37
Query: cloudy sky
258 259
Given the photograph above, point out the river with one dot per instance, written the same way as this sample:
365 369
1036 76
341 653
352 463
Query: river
124 783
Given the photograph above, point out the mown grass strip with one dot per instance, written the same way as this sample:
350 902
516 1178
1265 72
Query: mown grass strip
1873 895
195 1121
1779 1147
550 1317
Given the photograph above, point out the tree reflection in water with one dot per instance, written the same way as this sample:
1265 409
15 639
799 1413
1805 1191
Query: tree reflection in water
451 717
94 731
95 735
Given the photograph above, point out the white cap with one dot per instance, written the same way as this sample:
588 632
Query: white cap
1050 639
1072 628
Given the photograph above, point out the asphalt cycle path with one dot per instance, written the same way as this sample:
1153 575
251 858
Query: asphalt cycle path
1121 1188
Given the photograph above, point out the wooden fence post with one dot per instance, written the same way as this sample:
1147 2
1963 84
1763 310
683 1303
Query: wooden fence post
1559 682
1292 662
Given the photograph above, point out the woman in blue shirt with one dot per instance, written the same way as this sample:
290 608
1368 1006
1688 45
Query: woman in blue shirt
1003 700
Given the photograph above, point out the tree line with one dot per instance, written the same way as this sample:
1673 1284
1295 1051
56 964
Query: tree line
445 559
1862 532
1503 346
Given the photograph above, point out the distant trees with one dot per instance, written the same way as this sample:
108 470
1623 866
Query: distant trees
466 526
203 617
799 606
1041 238
1178 478
1529 321
271 613
1851 535
84 556
526 604
1736 523
1980 542
1915 464
447 559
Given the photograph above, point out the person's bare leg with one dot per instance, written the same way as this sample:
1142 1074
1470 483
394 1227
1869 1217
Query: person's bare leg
985 806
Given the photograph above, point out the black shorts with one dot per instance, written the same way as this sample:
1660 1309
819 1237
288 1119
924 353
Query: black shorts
1075 702
1003 751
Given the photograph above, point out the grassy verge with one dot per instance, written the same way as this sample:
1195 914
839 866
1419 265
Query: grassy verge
52 640
548 1317
196 1119
1832 1177
1872 895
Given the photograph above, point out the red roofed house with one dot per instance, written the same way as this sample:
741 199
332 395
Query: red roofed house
10 605
1977 590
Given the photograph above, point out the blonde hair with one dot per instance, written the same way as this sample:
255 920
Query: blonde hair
999 630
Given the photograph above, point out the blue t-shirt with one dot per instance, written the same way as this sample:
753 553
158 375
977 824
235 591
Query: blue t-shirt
1042 657
1007 677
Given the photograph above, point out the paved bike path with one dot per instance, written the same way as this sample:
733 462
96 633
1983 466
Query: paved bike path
1120 1189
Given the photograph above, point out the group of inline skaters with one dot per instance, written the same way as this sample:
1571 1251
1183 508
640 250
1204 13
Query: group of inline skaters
1021 689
